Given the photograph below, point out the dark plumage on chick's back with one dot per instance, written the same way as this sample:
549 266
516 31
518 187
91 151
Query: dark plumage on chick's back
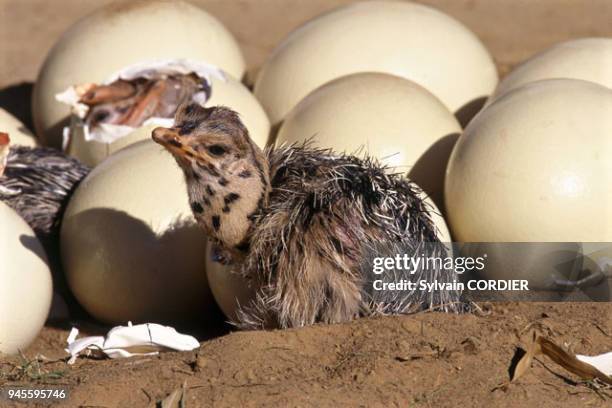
328 216
37 183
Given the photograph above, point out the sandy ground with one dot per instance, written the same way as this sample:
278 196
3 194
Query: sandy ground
427 360
424 360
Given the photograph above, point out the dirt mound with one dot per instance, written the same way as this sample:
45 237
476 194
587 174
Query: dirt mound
430 359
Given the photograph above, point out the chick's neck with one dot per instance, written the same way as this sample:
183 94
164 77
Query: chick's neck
227 200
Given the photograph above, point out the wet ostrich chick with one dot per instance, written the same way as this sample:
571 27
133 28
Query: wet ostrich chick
302 223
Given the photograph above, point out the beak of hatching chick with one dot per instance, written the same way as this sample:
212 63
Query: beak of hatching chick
171 139
167 137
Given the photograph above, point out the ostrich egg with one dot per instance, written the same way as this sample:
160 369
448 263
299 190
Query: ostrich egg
25 283
16 130
384 116
406 39
535 166
589 59
130 246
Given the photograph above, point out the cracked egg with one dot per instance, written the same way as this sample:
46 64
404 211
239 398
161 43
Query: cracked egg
127 106
122 34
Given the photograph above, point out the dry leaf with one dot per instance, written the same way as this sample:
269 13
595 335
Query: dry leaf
525 362
571 363
176 399
567 360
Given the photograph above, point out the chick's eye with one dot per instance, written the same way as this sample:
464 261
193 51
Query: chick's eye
217 150
101 115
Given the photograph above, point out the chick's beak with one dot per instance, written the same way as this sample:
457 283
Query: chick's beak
175 144
167 137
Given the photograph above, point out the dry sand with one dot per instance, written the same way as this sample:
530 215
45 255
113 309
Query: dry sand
425 360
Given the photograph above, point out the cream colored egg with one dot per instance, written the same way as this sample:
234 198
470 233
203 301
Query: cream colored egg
131 249
401 38
25 283
384 116
123 34
589 59
229 289
19 134
230 93
535 167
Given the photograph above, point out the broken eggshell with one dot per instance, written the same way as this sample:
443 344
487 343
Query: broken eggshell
91 146
129 341
121 34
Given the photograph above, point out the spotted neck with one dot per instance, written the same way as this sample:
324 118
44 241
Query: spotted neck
225 200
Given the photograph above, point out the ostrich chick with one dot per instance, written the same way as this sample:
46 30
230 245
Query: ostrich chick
302 223
131 103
